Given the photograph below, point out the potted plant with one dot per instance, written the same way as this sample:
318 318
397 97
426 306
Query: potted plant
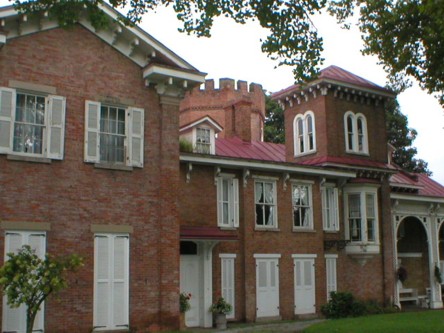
184 306
221 308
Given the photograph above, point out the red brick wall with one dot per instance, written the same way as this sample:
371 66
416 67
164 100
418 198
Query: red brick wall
71 195
329 121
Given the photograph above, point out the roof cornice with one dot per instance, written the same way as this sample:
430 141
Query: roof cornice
414 197
263 165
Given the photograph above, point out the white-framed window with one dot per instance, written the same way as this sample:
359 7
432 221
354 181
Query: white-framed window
114 134
14 319
111 281
227 201
355 133
330 211
228 283
31 123
203 140
302 206
265 203
361 213
331 273
304 133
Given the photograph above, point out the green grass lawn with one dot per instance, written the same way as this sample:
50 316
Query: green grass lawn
406 322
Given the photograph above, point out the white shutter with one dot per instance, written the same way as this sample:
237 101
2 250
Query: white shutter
227 282
92 126
56 127
220 196
7 109
102 285
335 209
331 275
324 200
120 282
235 204
135 136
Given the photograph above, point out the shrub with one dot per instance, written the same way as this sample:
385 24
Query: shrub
185 146
342 305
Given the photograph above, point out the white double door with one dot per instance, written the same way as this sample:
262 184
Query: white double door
304 285
267 287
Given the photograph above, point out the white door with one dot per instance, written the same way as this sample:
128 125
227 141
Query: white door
267 287
189 283
304 286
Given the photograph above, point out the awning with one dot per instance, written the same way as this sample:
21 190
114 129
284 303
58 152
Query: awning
206 233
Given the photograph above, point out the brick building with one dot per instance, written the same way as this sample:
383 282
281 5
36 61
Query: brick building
274 228
90 164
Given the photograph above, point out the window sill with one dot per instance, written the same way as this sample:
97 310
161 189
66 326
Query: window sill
357 153
331 231
32 159
227 228
309 230
111 166
256 228
305 154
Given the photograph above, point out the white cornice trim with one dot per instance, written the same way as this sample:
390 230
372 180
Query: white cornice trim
265 166
419 198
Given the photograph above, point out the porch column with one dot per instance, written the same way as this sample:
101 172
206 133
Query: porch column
207 282
436 300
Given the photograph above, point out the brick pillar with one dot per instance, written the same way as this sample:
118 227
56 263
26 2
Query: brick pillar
169 240
242 120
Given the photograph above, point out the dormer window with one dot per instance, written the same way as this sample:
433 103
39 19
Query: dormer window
203 140
201 135
355 133
304 134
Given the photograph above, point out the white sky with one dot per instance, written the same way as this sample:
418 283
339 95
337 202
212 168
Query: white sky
234 52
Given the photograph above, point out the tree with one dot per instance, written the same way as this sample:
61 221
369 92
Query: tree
274 127
401 137
28 279
406 35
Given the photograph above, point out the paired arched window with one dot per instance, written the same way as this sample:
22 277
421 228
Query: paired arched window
304 133
355 133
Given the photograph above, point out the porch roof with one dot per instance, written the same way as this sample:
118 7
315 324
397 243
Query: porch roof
206 233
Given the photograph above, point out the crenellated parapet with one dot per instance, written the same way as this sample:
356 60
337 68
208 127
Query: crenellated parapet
237 106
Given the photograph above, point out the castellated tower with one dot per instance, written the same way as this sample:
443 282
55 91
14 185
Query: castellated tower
238 108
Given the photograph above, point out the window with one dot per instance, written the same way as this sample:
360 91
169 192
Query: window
14 319
355 133
114 135
330 213
111 269
203 140
228 280
265 202
227 201
32 124
304 134
302 206
361 210
330 267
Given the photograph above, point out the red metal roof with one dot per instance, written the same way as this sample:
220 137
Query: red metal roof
324 160
205 233
426 185
335 73
255 150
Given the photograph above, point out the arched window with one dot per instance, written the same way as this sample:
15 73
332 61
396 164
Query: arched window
355 126
304 134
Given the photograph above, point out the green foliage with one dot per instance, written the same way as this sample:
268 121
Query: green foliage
401 137
342 305
406 36
28 279
438 275
221 306
185 146
274 129
184 302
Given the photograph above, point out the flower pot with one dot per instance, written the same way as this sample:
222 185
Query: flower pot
221 321
182 321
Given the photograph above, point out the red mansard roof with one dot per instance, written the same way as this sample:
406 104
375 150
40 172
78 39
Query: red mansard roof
426 186
255 150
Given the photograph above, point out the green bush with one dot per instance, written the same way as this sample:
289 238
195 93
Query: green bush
343 304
